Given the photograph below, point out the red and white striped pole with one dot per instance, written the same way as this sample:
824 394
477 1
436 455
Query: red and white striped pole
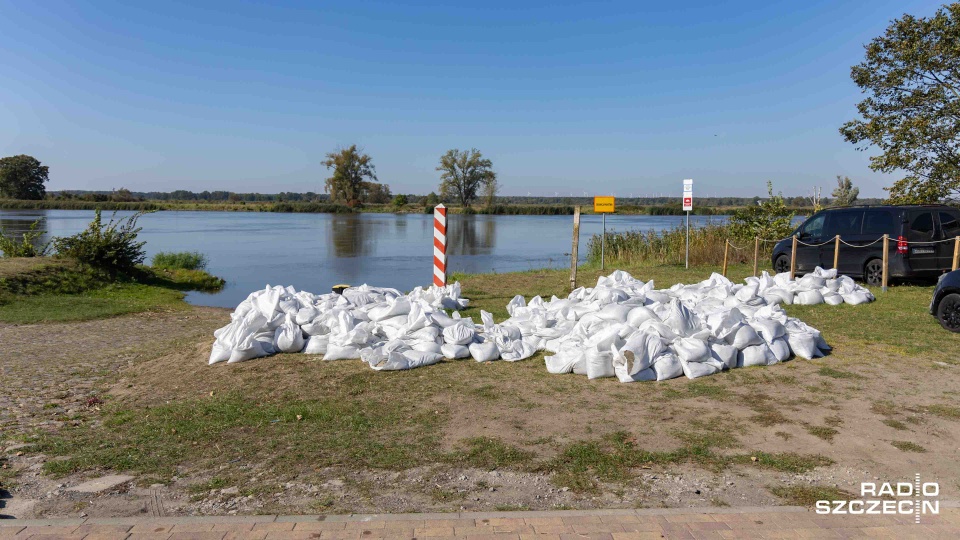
440 245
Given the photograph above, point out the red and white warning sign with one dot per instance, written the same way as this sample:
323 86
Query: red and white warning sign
688 195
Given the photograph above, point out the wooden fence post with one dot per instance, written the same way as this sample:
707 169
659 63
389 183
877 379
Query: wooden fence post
576 245
756 254
836 252
793 258
886 256
726 250
956 252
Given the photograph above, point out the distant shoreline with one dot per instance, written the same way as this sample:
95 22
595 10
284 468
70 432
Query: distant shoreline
333 208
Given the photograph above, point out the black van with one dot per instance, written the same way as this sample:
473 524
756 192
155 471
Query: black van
910 228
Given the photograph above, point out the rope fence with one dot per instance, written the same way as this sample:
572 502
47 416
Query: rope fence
837 241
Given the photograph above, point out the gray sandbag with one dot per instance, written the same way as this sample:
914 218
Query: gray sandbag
724 353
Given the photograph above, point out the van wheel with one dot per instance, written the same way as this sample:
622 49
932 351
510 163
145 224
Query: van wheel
782 264
948 312
873 272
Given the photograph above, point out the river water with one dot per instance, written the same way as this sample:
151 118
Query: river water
315 251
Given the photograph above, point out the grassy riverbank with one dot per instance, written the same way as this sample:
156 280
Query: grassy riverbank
296 434
48 289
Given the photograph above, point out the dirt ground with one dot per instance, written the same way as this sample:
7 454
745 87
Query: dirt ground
867 413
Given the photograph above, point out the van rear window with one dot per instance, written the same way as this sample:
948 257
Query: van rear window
921 226
878 222
950 224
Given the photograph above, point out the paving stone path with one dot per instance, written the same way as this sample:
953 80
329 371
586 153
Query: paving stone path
766 522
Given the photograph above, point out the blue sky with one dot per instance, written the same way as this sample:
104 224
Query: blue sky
603 97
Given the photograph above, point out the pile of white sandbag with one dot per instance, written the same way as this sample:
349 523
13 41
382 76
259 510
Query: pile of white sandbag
281 319
623 327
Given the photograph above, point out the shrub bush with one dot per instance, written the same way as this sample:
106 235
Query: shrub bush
184 260
112 248
28 246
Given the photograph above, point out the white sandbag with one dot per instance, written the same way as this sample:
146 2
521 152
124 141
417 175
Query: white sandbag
639 350
808 298
832 298
780 347
397 306
724 353
458 334
248 349
219 353
624 375
427 346
516 302
667 366
681 320
744 337
316 345
639 314
804 345
289 338
855 298
599 363
811 281
768 329
615 312
341 352
307 314
484 352
267 340
315 328
455 352
515 350
756 355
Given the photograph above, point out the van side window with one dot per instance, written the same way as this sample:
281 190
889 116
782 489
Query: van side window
813 228
843 222
950 224
878 222
922 226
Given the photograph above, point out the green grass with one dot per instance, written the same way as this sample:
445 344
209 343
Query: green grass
907 446
58 290
212 431
109 301
489 453
183 260
944 411
834 373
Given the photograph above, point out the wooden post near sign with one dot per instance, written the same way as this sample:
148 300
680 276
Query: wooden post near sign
726 251
576 246
886 257
836 252
756 255
956 253
603 206
793 258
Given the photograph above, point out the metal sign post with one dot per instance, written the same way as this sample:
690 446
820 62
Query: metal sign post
603 206
687 207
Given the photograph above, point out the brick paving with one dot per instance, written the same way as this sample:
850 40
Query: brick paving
712 523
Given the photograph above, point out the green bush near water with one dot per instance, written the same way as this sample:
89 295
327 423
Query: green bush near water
28 246
112 248
183 260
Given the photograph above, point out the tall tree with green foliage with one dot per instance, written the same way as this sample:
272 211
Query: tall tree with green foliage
769 218
911 76
352 169
463 174
23 177
845 194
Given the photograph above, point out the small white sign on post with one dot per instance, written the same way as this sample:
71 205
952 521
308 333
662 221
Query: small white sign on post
687 207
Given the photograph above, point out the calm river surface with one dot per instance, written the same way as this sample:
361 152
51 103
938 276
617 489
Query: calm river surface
314 251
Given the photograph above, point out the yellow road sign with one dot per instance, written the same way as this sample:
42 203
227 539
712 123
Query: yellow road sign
603 205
